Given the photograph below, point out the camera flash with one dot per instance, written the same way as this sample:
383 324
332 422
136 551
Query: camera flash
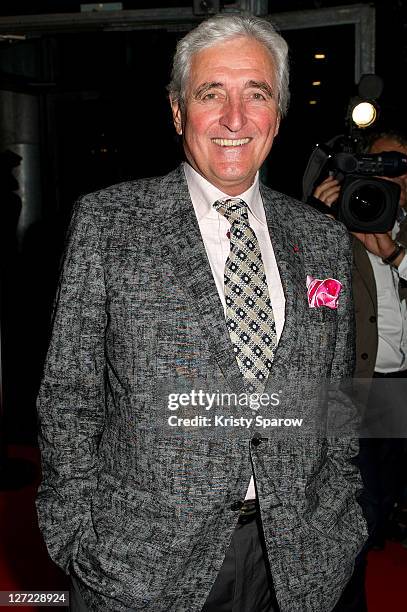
364 114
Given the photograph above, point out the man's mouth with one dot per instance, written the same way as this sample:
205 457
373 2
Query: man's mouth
228 142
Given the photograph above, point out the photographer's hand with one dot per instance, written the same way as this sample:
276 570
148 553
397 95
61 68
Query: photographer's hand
328 191
381 245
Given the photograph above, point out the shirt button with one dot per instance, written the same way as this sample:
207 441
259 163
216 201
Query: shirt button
372 319
364 355
236 506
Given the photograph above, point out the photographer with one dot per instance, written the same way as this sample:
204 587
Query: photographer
380 294
380 299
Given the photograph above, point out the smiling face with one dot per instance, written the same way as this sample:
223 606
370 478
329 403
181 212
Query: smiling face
231 114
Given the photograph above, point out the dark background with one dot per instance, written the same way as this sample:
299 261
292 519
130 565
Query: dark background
101 116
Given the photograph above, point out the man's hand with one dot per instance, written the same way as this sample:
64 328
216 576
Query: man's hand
328 191
381 245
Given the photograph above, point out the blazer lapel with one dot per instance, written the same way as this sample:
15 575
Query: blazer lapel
362 264
292 275
182 249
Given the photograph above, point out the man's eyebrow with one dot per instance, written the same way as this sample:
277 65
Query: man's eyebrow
263 86
205 86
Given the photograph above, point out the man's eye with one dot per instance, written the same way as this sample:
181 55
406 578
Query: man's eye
257 95
209 96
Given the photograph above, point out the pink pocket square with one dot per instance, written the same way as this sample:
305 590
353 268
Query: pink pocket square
323 292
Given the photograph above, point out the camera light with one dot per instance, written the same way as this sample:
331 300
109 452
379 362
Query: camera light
364 114
319 55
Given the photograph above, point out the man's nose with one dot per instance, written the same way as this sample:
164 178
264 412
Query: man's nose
233 115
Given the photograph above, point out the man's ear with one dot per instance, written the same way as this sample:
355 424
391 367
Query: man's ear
176 115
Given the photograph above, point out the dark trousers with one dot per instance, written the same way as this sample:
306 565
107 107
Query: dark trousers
382 459
353 598
381 463
76 603
244 582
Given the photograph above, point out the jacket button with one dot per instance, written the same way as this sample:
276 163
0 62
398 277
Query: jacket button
364 355
372 319
256 440
236 506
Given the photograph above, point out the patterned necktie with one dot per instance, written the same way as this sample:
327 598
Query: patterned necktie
249 314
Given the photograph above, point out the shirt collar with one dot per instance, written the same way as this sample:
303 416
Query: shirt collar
204 194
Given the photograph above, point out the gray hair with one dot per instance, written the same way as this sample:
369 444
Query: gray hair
219 29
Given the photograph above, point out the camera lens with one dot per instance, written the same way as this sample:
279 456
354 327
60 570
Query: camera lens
367 202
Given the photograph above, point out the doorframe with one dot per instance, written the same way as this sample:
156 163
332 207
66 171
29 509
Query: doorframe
362 16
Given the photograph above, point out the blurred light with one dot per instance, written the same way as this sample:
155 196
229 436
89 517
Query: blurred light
364 114
313 102
11 37
316 83
101 6
319 55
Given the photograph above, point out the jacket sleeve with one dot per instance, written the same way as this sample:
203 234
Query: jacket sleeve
71 398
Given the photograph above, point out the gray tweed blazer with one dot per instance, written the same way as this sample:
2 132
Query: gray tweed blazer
141 517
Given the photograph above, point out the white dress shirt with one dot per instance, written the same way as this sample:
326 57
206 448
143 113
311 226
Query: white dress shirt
214 229
392 314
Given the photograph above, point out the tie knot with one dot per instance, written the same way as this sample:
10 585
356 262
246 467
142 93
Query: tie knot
233 209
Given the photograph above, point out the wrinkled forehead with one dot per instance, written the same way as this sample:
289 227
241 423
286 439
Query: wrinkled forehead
238 57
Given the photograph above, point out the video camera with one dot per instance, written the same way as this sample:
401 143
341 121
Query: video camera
366 203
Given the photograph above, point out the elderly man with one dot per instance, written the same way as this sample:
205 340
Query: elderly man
201 273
